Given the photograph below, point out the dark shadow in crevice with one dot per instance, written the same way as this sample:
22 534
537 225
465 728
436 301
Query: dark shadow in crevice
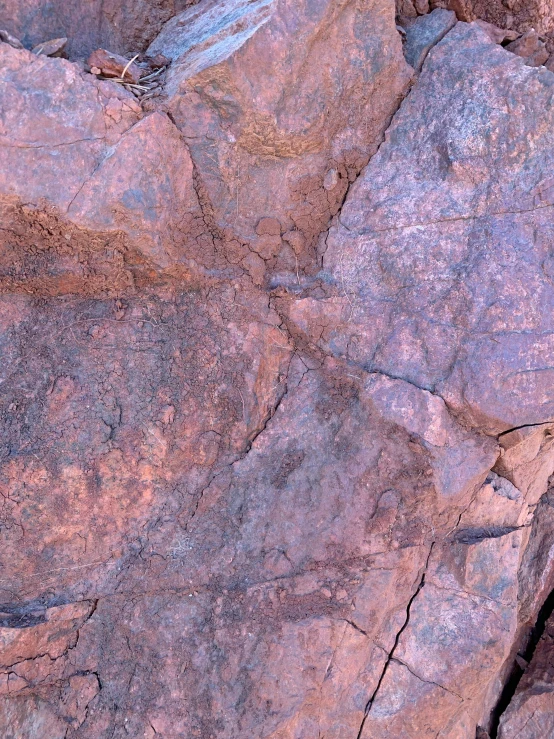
517 672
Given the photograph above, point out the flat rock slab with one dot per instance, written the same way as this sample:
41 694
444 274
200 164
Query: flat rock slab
443 246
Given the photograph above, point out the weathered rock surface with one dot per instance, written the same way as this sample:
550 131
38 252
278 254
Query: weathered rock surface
425 33
276 463
520 15
101 192
281 107
428 253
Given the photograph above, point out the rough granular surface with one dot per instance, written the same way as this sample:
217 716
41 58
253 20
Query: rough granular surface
277 377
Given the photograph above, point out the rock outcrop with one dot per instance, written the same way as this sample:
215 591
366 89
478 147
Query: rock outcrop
277 417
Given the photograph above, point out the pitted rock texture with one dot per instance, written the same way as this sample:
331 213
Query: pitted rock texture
277 420
517 14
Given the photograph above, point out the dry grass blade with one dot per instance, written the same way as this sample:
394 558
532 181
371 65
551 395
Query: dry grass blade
135 87
149 87
153 74
128 65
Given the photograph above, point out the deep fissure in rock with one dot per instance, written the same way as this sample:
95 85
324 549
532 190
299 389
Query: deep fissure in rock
517 670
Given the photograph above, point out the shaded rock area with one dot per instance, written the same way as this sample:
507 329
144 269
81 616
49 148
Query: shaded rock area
531 711
518 15
276 390
116 24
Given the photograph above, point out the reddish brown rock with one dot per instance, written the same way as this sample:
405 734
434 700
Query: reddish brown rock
531 48
115 189
496 34
459 632
405 9
54 47
113 65
253 88
437 226
517 15
243 496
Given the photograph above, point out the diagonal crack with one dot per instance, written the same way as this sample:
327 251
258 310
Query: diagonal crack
423 680
396 642
456 219
524 426
256 434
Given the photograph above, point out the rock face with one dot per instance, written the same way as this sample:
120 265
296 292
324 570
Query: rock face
421 252
277 419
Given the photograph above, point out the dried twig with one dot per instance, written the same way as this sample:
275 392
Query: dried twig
153 74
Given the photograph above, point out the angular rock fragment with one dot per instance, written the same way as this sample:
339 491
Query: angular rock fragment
108 183
422 6
531 48
530 714
29 651
425 33
498 506
7 38
113 65
460 630
55 47
527 459
459 459
406 10
496 34
282 107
